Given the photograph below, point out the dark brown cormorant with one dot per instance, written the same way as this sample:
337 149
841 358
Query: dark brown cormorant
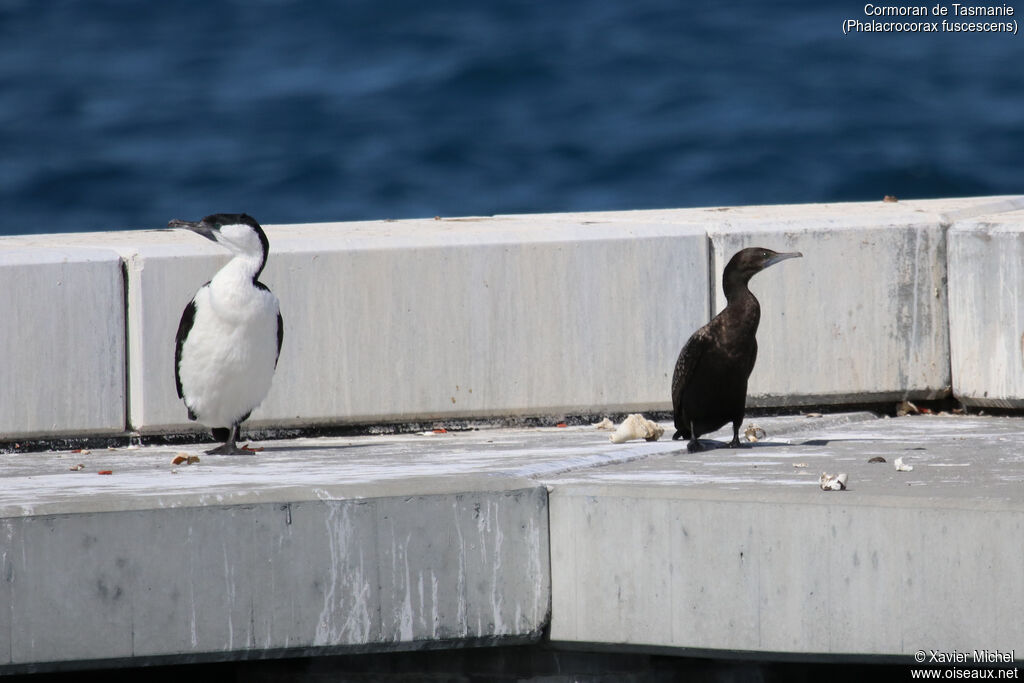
709 385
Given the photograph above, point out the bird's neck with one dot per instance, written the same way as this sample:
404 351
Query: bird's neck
240 272
742 307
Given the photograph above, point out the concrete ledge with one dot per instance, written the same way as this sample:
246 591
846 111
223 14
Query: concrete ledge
986 310
415 541
741 552
402 321
311 574
63 342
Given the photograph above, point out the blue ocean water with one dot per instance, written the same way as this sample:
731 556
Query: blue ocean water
118 115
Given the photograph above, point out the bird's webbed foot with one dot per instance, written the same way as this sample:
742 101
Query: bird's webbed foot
694 446
230 449
230 446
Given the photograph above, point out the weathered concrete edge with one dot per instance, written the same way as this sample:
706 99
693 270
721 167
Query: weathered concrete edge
750 655
642 220
121 603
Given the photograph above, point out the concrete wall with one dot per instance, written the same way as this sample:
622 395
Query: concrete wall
662 566
520 315
397 566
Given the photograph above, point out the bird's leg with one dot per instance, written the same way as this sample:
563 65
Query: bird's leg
735 443
694 444
229 447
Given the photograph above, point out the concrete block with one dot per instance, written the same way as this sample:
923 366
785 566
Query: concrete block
63 348
478 318
737 550
861 318
307 576
986 310
811 579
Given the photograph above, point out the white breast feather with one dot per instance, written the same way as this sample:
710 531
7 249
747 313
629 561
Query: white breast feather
227 361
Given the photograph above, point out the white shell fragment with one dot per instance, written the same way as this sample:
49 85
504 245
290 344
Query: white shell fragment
636 426
605 424
901 466
753 433
833 482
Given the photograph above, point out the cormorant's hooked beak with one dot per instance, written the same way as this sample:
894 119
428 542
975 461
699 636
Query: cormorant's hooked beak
200 227
782 257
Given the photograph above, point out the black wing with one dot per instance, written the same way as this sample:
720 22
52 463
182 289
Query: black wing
280 336
686 364
280 322
188 317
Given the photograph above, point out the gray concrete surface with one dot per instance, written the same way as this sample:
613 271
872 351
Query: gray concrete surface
377 543
986 309
63 348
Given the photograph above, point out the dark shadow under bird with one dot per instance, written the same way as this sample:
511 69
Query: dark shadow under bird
709 385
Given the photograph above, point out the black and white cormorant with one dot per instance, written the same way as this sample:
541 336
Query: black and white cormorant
709 385
230 334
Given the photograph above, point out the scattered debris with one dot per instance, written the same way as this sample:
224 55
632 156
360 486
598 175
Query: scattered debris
636 426
877 458
81 450
561 424
812 414
890 198
434 431
605 424
185 458
907 408
901 466
105 472
832 482
753 433
76 468
799 464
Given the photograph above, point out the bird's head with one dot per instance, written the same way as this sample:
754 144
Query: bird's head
237 232
748 262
